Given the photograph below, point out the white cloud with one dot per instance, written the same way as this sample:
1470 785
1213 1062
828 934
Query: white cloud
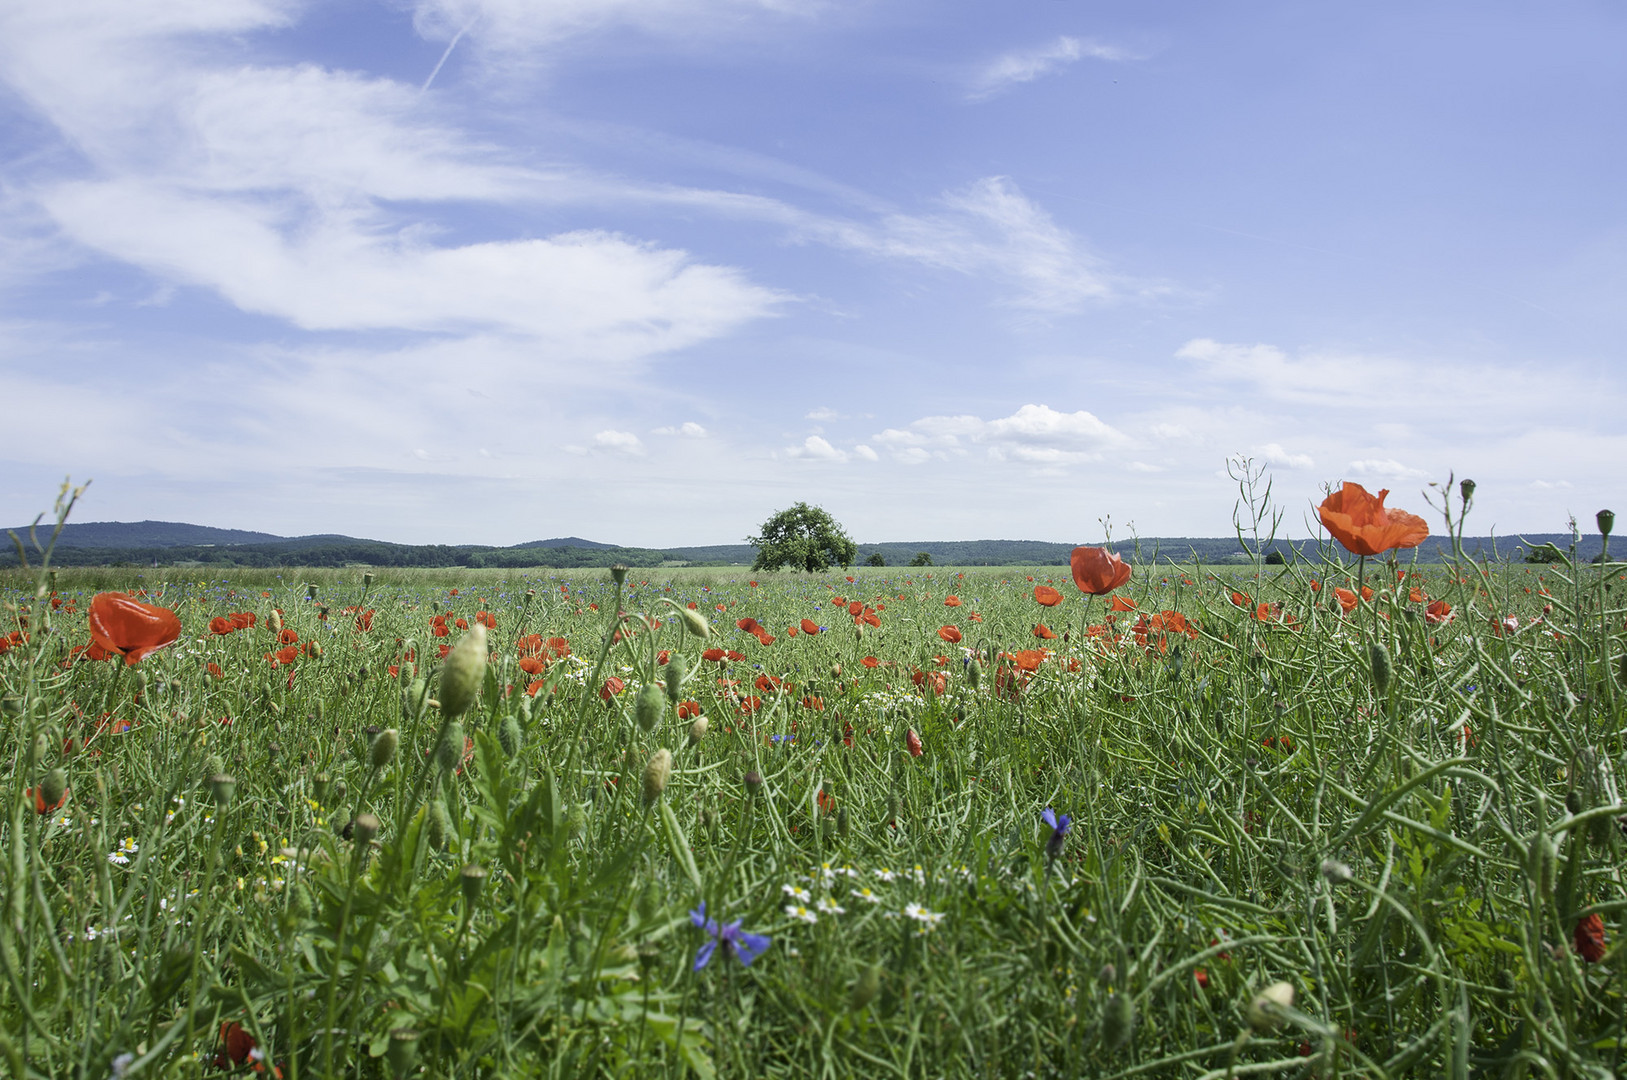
1012 68
1385 468
1274 454
623 442
511 27
818 449
1035 434
821 414
866 453
1550 485
689 430
988 229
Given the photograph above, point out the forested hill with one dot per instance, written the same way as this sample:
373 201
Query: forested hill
166 543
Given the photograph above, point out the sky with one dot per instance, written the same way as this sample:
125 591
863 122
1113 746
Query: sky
647 271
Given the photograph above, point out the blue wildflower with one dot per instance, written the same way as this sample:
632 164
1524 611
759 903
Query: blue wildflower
735 941
1059 824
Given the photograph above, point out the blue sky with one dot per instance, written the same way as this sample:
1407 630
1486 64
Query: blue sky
645 271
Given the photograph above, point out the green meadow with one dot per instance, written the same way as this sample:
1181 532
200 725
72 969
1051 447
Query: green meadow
353 839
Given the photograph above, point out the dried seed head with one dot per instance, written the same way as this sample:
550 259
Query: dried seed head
463 672
656 774
383 749
367 580
473 879
1265 1012
1606 520
1466 490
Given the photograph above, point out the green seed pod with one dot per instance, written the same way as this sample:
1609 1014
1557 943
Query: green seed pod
1118 1021
439 825
697 730
576 822
677 674
365 828
1379 660
473 879
319 788
1606 520
647 708
1466 489
509 735
656 774
340 790
841 821
1573 802
367 581
618 573
54 787
402 1052
449 751
222 786
865 988
463 672
1265 1012
384 744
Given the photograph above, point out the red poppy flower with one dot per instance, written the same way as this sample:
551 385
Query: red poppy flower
287 654
38 795
529 645
1438 612
1098 571
288 637
533 665
950 634
1347 599
1589 938
748 624
662 657
1359 521
826 801
951 601
559 647
731 655
462 624
813 702
1047 596
119 624
870 662
913 742
1316 586
533 687
688 710
214 670
809 626
221 625
750 704
612 685
714 655
768 682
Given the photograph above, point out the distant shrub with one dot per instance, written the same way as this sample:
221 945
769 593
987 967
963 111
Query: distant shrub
921 559
876 559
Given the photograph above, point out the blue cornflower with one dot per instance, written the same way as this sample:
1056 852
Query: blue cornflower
737 942
1059 824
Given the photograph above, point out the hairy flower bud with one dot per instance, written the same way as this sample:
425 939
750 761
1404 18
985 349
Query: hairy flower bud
365 828
449 751
695 623
54 787
274 621
677 673
473 879
1118 1020
509 735
656 774
463 671
697 730
438 825
383 749
1265 1012
1378 660
647 708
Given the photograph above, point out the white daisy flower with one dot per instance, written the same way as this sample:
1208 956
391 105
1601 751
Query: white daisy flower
801 914
886 875
801 896
827 906
864 892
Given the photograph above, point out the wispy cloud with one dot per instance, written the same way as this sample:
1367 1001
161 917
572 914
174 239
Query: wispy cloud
1025 65
1035 434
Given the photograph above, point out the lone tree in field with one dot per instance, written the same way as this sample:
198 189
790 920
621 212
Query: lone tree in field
803 538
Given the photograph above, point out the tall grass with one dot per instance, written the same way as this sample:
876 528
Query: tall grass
1405 821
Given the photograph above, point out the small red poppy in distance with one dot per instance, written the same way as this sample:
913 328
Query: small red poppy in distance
1047 596
1098 571
951 601
1359 520
809 626
950 634
120 624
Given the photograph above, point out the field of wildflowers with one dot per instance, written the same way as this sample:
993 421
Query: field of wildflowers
1351 818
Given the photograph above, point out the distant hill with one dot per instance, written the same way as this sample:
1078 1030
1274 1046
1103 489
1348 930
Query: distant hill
168 543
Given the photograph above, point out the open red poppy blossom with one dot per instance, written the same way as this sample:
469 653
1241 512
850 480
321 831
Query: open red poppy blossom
1047 596
688 710
1347 599
809 626
1098 571
1358 520
1589 938
950 634
1044 633
612 685
714 655
1439 611
870 662
120 624
221 625
951 601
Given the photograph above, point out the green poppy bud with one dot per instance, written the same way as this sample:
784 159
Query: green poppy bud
649 902
473 879
54 787
319 788
656 774
1379 660
754 782
677 673
42 747
576 822
212 765
463 672
340 790
274 621
697 730
509 735
449 751
1118 1020
367 581
402 1052
365 827
865 988
1265 1012
694 622
974 674
384 744
222 786
1108 976
647 708
439 825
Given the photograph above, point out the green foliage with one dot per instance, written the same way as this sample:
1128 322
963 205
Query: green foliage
921 558
876 559
802 537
